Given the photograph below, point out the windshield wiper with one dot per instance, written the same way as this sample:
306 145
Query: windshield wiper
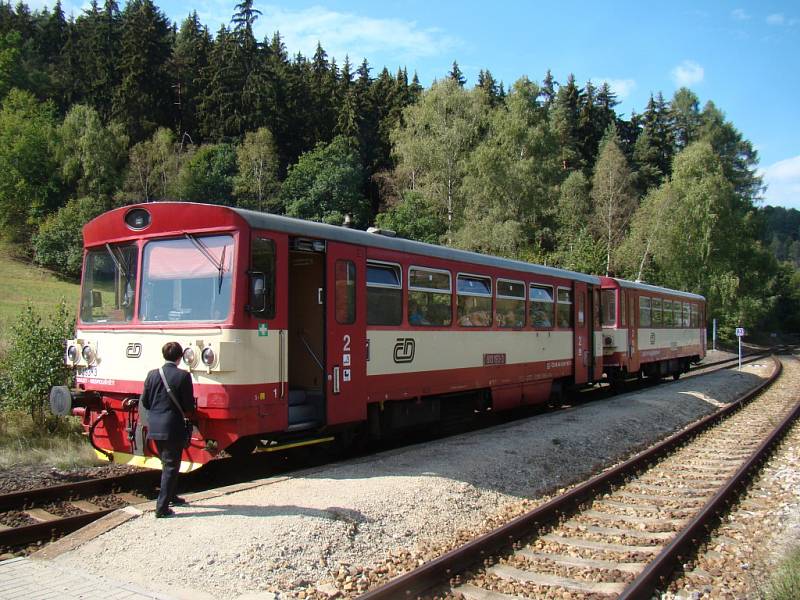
219 265
123 267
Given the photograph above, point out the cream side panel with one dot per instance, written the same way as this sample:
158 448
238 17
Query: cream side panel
244 357
659 339
442 350
620 337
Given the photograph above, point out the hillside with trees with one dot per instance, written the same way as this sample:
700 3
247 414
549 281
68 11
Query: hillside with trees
119 105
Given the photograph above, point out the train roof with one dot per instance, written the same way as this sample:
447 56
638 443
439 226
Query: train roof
377 240
636 285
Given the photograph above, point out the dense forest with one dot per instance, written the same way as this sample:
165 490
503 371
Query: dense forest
119 105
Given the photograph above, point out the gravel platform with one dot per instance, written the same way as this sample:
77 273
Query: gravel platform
325 526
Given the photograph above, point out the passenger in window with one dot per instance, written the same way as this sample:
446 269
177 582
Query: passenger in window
541 319
415 316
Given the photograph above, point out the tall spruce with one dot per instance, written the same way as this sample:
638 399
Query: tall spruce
142 101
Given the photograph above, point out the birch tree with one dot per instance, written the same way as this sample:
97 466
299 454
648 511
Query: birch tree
613 195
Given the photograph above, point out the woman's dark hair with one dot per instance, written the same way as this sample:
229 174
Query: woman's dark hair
172 351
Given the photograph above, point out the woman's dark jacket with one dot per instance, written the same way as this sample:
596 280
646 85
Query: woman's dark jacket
164 420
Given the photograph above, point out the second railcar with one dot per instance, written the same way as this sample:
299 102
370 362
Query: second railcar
650 330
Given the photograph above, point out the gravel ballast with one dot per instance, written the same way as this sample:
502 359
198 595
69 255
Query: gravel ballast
287 534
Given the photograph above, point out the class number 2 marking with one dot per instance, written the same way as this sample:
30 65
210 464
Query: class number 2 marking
346 343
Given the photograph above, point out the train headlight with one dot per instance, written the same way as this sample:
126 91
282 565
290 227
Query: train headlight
189 357
208 357
88 354
608 340
73 355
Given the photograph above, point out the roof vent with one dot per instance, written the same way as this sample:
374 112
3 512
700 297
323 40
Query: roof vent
379 231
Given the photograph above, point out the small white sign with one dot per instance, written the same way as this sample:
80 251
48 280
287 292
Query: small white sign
740 332
346 375
346 360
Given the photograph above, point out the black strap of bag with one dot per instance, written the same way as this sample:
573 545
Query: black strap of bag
187 424
170 392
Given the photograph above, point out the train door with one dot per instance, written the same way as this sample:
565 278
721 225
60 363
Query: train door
596 371
306 335
582 336
633 332
346 334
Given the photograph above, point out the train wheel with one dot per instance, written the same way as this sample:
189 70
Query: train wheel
242 447
676 375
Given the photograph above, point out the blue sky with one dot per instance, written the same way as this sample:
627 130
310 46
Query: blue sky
745 56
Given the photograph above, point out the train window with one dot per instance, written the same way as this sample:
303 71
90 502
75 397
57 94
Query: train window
430 302
384 294
262 261
667 313
686 313
541 308
474 302
510 303
608 303
187 279
623 314
694 320
345 292
109 283
581 308
564 308
655 312
644 311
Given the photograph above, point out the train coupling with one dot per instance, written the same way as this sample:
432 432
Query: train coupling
64 400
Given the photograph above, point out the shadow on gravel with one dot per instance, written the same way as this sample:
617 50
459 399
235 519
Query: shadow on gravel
333 513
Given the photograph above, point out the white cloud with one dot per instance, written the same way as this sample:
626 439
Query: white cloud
621 87
776 19
342 33
740 14
783 183
687 73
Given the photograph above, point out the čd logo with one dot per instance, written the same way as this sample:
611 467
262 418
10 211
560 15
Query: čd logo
404 350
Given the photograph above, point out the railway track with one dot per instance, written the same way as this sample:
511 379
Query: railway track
38 515
622 533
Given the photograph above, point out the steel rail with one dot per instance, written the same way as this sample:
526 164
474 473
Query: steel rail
663 565
439 570
19 536
87 487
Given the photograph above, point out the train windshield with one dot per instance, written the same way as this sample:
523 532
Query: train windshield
109 283
187 279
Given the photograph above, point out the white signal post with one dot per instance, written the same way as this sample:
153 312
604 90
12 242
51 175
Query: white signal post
740 334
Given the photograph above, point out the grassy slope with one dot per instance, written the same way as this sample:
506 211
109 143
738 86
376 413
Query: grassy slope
24 283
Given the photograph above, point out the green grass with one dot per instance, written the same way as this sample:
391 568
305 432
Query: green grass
58 443
25 283
785 583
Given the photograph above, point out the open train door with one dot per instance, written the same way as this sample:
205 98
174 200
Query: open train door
346 334
583 337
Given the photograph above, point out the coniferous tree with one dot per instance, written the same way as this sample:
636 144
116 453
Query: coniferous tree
565 114
685 118
488 84
140 102
456 75
189 64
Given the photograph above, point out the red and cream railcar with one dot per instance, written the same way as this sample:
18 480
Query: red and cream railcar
297 331
650 330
